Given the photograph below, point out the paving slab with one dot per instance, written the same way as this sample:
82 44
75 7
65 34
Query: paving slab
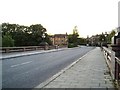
89 72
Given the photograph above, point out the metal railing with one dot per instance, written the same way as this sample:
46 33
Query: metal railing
113 64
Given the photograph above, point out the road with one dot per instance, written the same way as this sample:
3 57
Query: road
30 71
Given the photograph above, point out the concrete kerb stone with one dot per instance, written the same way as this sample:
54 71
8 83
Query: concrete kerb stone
28 54
45 83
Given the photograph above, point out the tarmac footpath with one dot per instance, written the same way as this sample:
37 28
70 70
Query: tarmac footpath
90 71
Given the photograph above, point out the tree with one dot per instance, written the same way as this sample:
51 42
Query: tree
81 41
75 35
109 37
7 41
47 39
73 38
37 32
102 37
24 35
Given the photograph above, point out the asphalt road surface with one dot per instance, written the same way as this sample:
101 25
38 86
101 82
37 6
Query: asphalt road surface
30 71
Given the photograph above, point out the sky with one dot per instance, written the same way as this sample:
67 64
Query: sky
60 16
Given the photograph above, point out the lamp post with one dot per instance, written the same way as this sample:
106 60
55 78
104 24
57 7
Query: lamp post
102 41
106 38
43 43
43 36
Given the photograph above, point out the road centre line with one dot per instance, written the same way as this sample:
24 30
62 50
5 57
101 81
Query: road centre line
20 64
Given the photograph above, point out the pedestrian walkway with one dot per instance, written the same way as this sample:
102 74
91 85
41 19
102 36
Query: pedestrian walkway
89 72
26 53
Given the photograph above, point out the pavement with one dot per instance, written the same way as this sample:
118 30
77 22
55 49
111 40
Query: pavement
26 53
89 71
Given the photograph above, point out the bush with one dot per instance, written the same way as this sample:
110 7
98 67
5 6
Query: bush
71 45
7 41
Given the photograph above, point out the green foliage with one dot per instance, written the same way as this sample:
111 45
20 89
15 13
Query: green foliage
109 37
7 41
70 38
81 41
75 31
24 35
73 38
102 38
47 39
70 45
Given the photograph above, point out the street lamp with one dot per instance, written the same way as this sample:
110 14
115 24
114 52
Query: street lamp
43 36
102 39
102 42
44 43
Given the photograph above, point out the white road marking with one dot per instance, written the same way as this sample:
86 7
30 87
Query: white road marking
21 64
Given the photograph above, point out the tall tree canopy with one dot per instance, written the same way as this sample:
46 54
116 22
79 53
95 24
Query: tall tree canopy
109 37
73 38
24 35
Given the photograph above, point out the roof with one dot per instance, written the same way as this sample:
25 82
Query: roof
58 35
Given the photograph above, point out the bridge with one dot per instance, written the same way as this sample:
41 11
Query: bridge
80 67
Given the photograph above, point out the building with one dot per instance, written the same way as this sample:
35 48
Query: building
97 40
59 39
94 40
